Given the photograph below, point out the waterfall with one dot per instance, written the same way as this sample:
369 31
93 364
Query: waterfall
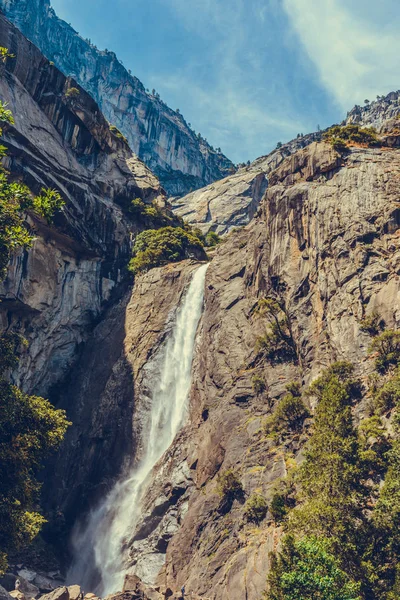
99 547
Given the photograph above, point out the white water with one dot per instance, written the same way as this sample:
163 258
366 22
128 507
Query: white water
100 552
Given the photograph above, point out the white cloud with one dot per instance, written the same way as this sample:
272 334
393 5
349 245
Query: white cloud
228 106
356 56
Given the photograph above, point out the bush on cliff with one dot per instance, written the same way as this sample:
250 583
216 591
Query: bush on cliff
256 508
386 347
30 428
277 343
289 415
157 247
340 137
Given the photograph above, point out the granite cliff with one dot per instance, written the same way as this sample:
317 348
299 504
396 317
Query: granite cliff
322 239
158 135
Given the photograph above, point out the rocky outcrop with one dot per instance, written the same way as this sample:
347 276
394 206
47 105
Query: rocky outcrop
326 243
233 201
376 113
159 136
228 203
56 291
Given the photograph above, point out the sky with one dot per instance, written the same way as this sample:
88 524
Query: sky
250 73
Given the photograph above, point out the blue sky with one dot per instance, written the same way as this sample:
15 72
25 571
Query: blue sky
250 73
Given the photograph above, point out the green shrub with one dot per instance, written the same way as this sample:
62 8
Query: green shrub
294 388
149 215
306 569
278 507
157 247
4 54
212 239
277 343
118 133
372 324
256 508
72 93
258 384
386 346
15 199
340 136
229 485
289 415
388 396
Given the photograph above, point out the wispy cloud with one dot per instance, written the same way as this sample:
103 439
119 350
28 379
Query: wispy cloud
356 56
233 104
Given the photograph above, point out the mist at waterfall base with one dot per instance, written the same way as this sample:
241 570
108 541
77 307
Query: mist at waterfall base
100 550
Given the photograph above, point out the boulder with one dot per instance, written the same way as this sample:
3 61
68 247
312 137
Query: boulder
75 592
60 593
18 595
27 588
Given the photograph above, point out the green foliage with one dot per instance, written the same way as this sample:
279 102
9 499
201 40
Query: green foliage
72 93
307 569
372 324
258 384
30 428
149 215
294 388
157 247
118 133
386 347
212 239
388 395
288 416
4 54
385 546
278 507
229 485
340 497
47 204
333 475
341 136
15 199
276 344
256 508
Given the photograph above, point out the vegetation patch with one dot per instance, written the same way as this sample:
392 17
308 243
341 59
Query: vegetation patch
289 415
277 344
386 348
157 247
341 137
118 133
256 508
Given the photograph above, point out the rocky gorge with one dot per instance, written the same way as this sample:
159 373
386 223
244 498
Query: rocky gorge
319 235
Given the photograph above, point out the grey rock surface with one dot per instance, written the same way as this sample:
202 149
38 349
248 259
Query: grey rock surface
55 291
158 135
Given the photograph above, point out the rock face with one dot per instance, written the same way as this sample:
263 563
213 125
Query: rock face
228 203
159 136
54 292
109 389
377 113
326 243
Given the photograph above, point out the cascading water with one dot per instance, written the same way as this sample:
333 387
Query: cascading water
100 551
